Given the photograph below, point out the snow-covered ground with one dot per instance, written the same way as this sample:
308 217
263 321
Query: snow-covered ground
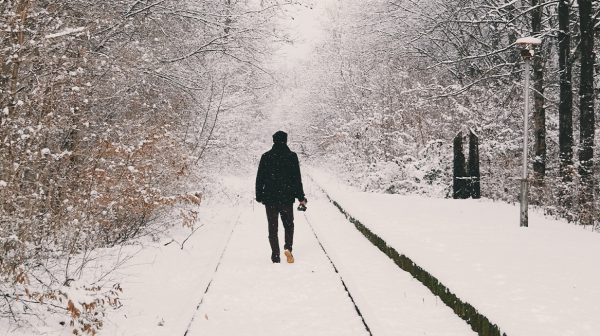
163 283
165 287
540 280
223 282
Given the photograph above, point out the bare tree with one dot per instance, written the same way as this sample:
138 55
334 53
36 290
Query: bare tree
565 107
587 123
539 108
105 114
440 65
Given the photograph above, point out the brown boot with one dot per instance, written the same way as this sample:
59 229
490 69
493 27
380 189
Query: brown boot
289 256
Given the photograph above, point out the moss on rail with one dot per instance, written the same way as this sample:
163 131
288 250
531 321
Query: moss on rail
478 322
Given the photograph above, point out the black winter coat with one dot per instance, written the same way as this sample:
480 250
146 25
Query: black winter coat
278 180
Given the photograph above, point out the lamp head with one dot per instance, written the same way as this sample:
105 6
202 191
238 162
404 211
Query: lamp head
528 42
527 46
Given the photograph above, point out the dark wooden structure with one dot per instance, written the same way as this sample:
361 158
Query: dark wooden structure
466 175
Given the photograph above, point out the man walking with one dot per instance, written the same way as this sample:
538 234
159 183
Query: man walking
278 184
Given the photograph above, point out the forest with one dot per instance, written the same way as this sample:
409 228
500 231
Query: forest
115 115
411 75
107 111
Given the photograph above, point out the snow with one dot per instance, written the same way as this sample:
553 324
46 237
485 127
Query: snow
165 286
540 280
536 281
67 31
247 292
250 293
528 40
390 299
218 279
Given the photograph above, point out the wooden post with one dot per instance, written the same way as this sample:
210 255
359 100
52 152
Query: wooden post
473 166
460 184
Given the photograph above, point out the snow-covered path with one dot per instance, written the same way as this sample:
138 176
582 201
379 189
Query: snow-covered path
307 298
250 295
222 281
162 284
392 301
341 284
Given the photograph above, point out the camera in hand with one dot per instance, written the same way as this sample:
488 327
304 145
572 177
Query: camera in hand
301 207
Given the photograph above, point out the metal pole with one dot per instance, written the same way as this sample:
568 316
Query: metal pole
524 181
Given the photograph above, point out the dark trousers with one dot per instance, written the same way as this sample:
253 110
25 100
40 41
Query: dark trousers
287 217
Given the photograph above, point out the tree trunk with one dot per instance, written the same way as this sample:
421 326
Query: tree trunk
565 106
228 20
512 35
539 110
586 120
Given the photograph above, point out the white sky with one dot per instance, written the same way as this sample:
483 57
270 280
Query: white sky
304 27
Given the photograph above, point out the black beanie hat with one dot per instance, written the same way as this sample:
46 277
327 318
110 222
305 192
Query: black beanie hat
280 137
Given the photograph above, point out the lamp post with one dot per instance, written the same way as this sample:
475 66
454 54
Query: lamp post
527 46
